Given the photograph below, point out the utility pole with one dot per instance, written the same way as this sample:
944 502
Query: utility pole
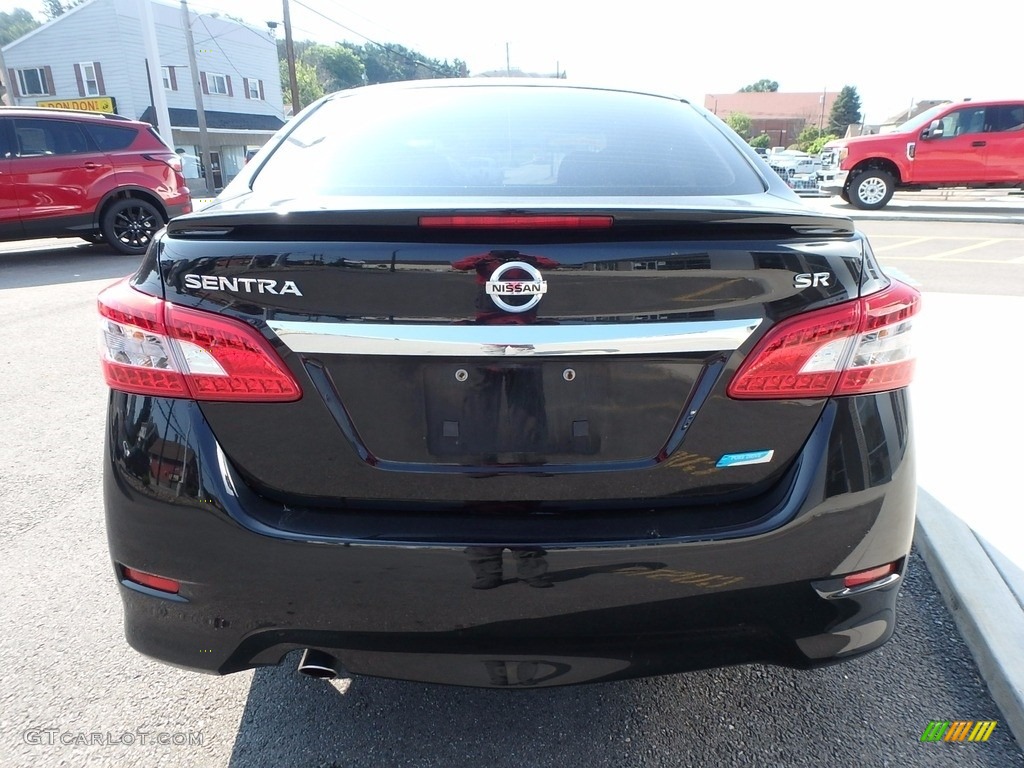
155 71
289 47
508 62
821 122
8 98
204 135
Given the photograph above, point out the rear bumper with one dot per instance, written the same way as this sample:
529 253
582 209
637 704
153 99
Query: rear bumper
179 209
568 600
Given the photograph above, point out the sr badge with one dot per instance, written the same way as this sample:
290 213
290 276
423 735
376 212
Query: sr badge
531 288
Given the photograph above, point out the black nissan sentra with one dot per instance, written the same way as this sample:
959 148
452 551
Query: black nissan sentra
504 384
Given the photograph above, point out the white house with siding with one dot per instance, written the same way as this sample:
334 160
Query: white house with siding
93 57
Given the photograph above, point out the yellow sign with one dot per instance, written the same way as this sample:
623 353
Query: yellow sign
91 104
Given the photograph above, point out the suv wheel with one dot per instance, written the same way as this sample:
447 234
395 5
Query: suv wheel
129 225
871 189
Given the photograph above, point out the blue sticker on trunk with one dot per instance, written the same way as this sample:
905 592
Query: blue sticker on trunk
743 459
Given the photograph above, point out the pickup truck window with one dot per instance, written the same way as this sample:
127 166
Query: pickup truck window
922 120
1006 118
963 121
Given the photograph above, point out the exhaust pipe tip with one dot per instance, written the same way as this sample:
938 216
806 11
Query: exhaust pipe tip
318 664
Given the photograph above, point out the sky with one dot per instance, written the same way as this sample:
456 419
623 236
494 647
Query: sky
893 51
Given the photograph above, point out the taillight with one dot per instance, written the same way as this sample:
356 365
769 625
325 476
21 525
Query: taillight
517 221
152 347
167 158
854 348
151 580
860 578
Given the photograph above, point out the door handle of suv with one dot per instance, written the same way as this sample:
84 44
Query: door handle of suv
90 165
978 143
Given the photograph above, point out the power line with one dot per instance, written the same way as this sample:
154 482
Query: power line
392 33
233 67
390 50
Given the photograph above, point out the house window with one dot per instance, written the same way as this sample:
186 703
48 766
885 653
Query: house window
253 88
217 84
32 82
90 83
170 81
89 77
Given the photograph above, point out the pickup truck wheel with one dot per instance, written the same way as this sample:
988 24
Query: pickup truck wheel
845 195
871 189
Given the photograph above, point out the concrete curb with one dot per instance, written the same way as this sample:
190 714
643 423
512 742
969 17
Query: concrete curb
986 610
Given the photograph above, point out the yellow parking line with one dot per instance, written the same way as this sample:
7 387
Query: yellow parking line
950 237
888 258
904 244
964 249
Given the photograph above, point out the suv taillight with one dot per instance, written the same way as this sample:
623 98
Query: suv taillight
151 347
854 348
167 158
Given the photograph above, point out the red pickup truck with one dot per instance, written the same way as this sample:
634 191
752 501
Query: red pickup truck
964 144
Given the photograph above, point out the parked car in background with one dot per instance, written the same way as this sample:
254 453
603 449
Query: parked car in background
99 177
791 162
798 169
974 144
508 384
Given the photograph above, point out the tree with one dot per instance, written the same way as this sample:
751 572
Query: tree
309 86
764 141
54 8
391 62
845 112
345 65
819 143
15 24
761 86
808 136
337 66
739 123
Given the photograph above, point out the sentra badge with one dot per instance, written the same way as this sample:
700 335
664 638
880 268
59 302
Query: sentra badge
531 288
241 285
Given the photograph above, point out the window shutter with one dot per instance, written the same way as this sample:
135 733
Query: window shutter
228 78
79 80
50 89
12 83
174 79
262 96
245 86
202 81
99 78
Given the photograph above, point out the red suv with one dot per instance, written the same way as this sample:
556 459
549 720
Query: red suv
968 144
103 178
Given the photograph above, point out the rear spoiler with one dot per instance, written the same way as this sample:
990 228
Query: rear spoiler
281 223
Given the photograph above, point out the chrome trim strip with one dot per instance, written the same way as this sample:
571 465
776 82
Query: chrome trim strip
871 586
512 340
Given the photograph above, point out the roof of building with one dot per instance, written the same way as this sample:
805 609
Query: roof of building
774 104
914 111
232 121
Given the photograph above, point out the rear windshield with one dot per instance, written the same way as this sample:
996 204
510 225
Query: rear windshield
505 140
